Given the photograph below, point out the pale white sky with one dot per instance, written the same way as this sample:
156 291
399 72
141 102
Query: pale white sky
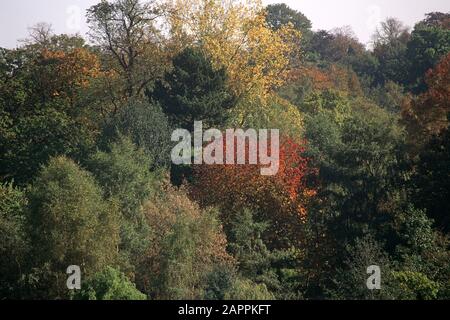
68 16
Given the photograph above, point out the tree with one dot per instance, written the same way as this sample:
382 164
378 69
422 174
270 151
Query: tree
390 31
350 281
31 141
390 96
280 14
431 180
390 45
187 244
147 127
43 107
63 74
360 158
279 113
281 198
193 90
109 284
416 286
126 30
426 115
69 223
236 37
124 174
426 48
244 289
14 242
275 269
437 19
336 45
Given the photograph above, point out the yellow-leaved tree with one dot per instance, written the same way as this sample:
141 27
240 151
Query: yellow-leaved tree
236 36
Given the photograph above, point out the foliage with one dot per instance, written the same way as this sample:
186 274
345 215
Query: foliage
247 290
362 176
281 198
187 243
147 127
14 244
194 91
126 30
69 223
109 284
31 141
427 46
426 115
431 179
276 269
416 286
124 175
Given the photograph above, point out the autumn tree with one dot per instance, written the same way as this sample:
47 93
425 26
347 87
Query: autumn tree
125 30
63 74
281 198
44 104
426 115
236 37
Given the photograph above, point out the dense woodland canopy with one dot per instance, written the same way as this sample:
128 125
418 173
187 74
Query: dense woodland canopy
86 177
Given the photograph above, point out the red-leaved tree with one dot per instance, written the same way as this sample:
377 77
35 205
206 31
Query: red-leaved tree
281 199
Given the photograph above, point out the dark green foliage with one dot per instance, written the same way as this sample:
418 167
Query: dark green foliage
350 280
14 244
194 91
31 141
427 46
147 127
109 284
360 161
280 14
218 282
275 269
432 180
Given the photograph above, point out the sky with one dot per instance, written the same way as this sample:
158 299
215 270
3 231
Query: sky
68 16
